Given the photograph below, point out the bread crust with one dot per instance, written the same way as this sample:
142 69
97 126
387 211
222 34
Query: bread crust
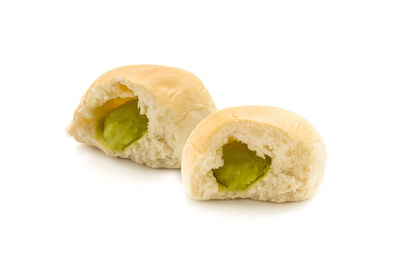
179 92
294 126
178 89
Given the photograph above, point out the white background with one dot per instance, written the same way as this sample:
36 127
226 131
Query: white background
337 63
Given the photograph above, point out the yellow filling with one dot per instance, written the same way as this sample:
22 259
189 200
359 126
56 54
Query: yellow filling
242 167
124 125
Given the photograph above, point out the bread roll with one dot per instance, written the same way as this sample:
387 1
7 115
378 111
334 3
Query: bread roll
257 152
142 112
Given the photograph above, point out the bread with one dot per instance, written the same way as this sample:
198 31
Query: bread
173 100
295 148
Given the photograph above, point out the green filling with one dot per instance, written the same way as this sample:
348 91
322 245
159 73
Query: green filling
242 167
124 125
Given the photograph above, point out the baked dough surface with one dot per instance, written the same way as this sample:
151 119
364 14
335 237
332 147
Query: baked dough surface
173 100
297 151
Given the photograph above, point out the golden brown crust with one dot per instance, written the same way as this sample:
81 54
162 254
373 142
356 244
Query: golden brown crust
175 88
289 122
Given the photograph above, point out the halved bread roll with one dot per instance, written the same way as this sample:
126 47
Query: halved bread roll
142 112
258 152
